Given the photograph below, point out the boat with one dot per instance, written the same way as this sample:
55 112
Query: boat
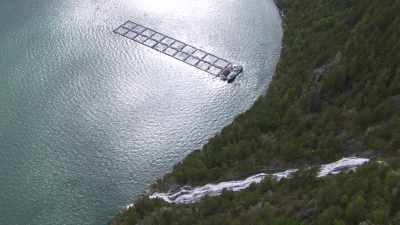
231 72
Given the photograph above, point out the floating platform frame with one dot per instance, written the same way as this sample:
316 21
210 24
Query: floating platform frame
174 48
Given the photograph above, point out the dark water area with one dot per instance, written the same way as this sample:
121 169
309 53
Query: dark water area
88 119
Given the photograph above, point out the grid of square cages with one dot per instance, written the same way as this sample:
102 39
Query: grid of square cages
177 49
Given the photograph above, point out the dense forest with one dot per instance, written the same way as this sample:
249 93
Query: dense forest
336 93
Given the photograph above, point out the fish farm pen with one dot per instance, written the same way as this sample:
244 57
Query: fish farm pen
174 48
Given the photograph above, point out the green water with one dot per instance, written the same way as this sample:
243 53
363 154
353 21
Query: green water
89 119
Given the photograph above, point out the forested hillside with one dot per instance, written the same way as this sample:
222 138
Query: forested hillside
336 93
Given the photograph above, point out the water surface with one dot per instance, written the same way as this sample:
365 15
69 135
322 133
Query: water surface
88 119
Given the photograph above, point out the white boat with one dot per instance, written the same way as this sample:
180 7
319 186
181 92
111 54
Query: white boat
231 72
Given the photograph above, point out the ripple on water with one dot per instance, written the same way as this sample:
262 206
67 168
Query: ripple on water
91 118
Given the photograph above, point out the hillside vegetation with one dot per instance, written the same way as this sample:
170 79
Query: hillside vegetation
336 92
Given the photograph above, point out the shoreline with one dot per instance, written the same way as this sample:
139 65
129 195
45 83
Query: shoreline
314 111
152 188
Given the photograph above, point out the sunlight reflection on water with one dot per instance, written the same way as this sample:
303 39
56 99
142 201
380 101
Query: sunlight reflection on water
89 119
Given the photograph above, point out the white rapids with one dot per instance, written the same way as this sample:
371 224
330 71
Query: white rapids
187 194
344 164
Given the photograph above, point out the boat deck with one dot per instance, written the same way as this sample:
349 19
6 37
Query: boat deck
174 48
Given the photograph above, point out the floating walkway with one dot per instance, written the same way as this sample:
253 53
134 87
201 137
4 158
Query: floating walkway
179 50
